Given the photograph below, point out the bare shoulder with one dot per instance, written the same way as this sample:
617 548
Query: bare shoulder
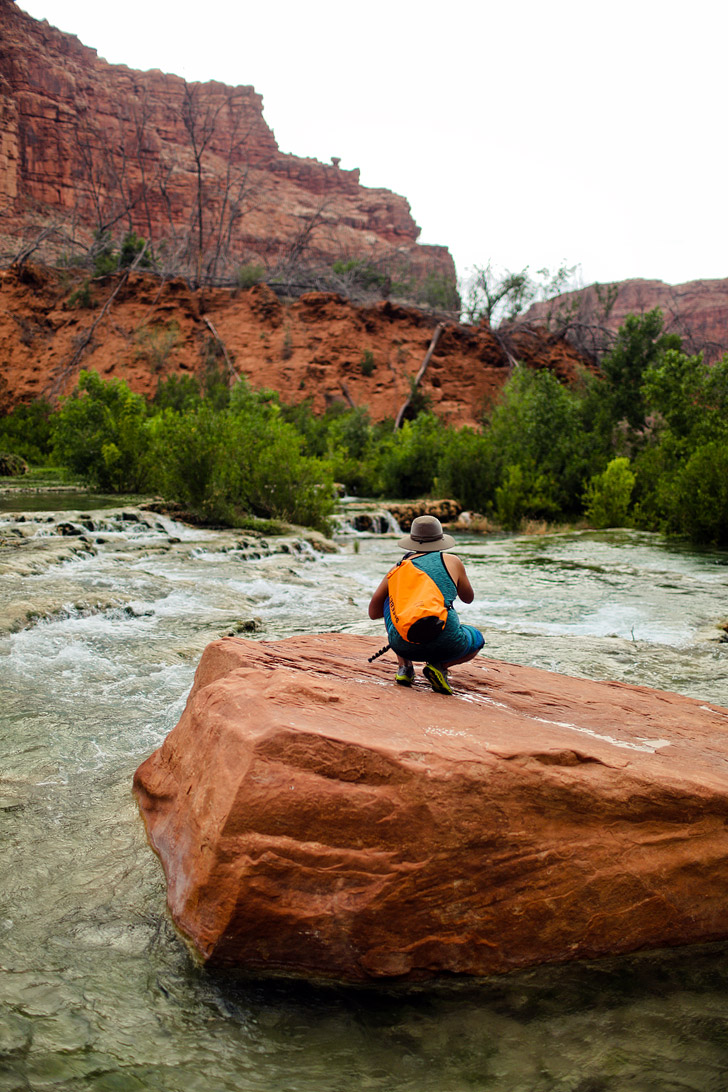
454 565
456 569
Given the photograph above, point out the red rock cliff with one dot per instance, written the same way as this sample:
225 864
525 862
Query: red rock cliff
87 145
320 346
697 311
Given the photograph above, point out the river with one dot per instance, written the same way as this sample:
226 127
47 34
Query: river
103 616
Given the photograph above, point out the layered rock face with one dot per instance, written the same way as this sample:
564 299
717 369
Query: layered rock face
320 346
697 311
87 145
314 819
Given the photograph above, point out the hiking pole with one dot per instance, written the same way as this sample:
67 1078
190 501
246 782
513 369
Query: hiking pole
380 653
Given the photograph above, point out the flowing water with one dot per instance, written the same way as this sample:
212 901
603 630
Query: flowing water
103 616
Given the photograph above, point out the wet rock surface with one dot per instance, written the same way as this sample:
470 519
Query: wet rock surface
315 820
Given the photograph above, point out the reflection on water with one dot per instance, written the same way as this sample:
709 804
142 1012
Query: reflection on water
97 991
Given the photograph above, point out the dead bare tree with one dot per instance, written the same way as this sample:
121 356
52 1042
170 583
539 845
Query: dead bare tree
200 122
85 338
418 378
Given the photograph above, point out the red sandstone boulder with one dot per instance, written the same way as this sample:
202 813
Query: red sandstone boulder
314 819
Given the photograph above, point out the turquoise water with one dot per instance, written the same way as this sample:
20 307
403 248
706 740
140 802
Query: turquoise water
97 992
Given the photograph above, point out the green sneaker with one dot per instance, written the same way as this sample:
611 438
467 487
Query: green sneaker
437 678
405 675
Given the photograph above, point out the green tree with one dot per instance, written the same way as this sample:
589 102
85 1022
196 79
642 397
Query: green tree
608 495
537 426
26 431
100 433
638 346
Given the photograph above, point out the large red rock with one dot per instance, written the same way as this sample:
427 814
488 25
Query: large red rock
314 819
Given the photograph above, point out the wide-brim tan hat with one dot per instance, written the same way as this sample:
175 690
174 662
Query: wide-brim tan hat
426 535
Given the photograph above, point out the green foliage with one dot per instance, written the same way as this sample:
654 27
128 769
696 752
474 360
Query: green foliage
367 364
637 348
537 427
608 495
701 496
250 274
241 460
467 469
440 292
156 343
26 431
547 451
107 260
408 464
100 434
361 274
12 466
177 392
81 297
132 246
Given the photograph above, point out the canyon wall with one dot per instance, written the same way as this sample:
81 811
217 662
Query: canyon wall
320 346
697 311
86 146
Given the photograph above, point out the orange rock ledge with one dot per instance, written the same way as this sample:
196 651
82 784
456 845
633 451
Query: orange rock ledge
315 820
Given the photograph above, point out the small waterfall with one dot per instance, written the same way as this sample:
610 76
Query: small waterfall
360 520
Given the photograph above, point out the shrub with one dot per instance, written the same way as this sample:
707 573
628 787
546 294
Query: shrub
367 364
82 296
408 460
250 274
156 343
12 466
467 470
241 461
701 496
177 392
536 426
608 495
100 434
26 431
440 292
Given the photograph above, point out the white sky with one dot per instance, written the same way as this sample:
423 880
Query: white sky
525 132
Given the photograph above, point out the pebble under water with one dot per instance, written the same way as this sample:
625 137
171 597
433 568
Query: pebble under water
103 616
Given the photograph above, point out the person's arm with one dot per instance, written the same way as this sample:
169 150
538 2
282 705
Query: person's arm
456 569
376 605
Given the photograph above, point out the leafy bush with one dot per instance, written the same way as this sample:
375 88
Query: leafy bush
250 274
177 392
408 461
81 297
240 461
100 434
440 292
701 495
608 495
156 343
12 466
26 431
367 364
467 469
537 426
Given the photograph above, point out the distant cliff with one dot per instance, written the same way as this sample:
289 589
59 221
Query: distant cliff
697 311
88 147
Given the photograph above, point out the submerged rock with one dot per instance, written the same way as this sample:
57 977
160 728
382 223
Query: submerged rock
313 819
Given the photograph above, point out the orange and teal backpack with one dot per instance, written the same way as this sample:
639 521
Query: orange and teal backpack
417 606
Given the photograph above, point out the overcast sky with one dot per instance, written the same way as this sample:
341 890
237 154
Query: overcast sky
532 134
